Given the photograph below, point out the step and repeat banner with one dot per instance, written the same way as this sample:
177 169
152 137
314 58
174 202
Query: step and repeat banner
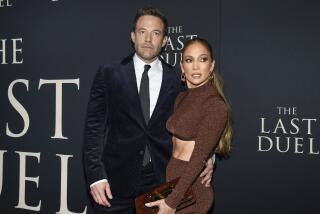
266 51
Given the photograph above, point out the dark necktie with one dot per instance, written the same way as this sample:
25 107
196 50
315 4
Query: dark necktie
145 104
144 94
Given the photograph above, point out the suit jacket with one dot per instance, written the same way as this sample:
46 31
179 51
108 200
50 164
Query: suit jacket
116 133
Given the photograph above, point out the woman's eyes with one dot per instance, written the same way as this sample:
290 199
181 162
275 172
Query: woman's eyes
203 59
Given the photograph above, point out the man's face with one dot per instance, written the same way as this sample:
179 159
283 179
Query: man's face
148 38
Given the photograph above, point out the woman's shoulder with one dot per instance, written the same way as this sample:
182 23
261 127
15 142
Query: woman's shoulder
178 99
214 102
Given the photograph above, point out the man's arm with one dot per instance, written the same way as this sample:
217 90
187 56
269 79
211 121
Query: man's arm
95 129
207 173
100 190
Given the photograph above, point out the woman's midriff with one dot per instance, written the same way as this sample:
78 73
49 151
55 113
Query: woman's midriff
182 149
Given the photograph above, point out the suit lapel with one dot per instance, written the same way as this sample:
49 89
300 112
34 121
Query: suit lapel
131 91
165 85
132 95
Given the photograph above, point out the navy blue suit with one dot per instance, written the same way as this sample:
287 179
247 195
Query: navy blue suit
116 133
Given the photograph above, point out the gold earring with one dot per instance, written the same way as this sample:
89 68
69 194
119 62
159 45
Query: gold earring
183 77
211 76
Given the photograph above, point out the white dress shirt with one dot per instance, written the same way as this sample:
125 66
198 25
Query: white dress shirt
155 78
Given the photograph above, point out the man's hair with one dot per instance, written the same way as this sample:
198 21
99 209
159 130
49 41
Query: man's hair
151 11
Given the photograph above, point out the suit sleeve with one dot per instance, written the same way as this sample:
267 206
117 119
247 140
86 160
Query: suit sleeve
208 136
95 128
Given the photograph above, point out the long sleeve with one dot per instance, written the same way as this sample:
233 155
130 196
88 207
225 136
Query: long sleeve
210 129
95 129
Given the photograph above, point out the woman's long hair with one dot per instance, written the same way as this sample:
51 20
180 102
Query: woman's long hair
224 145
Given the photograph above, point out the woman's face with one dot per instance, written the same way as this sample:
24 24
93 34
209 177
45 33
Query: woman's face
196 65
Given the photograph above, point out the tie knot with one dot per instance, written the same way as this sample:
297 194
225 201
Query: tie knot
147 67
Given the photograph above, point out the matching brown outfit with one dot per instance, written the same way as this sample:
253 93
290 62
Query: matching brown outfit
200 114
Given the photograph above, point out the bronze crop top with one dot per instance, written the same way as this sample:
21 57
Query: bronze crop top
200 114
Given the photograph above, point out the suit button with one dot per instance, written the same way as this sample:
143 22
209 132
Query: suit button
141 152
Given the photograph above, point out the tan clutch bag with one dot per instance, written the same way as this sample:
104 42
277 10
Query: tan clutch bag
161 192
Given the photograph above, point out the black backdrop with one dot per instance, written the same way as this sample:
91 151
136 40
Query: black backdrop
266 52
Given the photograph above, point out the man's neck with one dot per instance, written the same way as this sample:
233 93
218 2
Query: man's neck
147 61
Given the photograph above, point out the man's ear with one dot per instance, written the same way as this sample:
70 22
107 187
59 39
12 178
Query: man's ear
133 37
164 41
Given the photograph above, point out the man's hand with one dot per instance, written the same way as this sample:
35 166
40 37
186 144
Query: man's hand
206 174
101 193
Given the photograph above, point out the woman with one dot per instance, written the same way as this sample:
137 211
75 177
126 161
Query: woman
200 125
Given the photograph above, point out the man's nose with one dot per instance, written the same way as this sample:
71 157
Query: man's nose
148 37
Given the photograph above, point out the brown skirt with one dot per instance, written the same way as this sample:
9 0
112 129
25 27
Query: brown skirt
204 195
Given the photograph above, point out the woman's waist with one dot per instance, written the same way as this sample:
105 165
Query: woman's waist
182 149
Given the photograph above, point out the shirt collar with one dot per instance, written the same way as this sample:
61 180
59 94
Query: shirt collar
156 65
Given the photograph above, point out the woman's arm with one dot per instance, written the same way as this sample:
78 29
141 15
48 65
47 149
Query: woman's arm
208 136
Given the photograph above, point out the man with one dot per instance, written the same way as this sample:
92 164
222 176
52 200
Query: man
127 146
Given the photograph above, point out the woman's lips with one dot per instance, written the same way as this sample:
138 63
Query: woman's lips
196 76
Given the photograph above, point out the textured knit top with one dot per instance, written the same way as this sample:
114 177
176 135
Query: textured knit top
200 114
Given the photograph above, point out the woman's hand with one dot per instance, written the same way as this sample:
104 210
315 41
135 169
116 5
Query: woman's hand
163 207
